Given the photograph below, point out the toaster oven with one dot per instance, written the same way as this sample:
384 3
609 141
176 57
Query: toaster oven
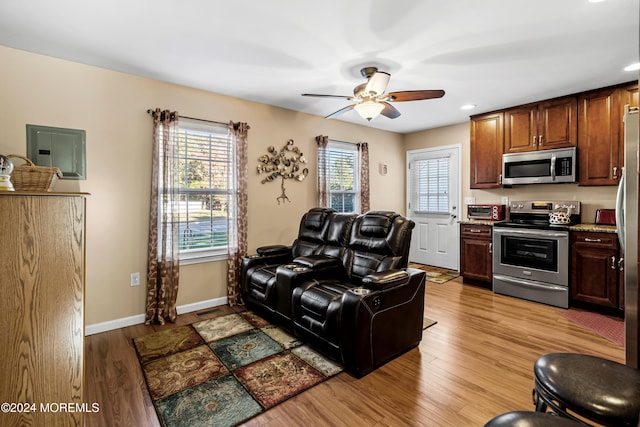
487 212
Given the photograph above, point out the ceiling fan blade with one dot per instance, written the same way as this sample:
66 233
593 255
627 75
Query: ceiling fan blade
377 83
415 95
390 111
327 96
340 111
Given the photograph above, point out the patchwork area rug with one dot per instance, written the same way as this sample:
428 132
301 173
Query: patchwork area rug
225 370
606 327
436 274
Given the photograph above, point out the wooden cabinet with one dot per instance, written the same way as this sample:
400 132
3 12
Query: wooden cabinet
42 310
601 134
595 269
486 144
542 126
592 121
476 254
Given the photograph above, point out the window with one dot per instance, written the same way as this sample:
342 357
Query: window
205 194
431 183
343 176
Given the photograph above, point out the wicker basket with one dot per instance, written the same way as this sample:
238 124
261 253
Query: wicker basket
29 177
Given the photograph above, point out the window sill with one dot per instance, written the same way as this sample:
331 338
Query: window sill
188 259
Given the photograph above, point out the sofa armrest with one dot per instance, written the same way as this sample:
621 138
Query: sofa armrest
317 261
385 279
380 324
273 250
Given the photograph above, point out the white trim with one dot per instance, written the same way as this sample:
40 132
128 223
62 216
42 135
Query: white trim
139 318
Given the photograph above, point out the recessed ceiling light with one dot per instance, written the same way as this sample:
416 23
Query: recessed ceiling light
596 1
468 107
632 67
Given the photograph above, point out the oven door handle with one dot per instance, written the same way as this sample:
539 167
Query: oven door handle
539 233
524 283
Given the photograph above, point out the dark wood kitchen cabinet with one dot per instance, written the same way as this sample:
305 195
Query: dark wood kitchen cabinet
595 269
486 145
476 254
541 126
601 134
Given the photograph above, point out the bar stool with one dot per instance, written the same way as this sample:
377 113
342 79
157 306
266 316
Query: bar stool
596 389
530 419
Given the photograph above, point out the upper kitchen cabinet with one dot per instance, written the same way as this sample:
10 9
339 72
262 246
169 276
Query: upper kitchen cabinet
542 126
601 134
487 137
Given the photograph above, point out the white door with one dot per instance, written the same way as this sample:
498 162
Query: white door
433 196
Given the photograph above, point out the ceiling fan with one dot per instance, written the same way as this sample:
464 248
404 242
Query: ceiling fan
370 97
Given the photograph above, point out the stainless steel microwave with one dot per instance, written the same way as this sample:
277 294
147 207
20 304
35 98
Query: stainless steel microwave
539 167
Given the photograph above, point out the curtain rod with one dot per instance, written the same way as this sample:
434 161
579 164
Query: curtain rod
203 120
150 111
346 142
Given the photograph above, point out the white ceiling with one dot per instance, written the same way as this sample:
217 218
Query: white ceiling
492 53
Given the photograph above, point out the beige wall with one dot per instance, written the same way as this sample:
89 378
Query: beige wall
592 198
111 107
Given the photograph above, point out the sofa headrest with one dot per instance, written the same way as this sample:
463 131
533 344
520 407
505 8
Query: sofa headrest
376 223
382 232
316 217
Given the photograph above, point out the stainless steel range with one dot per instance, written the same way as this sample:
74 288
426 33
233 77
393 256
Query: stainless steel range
531 255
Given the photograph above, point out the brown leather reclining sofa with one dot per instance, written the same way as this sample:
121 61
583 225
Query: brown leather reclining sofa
343 286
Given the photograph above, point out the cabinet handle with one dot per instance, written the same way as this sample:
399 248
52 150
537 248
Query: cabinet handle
615 172
621 264
540 140
613 262
588 239
490 248
535 140
500 179
474 230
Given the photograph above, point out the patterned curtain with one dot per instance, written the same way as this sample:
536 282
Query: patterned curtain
323 168
238 220
163 262
363 152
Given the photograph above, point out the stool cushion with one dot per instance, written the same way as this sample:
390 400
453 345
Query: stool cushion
598 389
530 419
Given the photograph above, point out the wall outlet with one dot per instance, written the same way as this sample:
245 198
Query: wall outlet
469 200
505 201
135 279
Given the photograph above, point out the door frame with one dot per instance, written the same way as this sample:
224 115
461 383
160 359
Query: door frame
409 155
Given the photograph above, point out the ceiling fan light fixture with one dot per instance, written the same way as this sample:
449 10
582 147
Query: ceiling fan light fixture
369 109
377 83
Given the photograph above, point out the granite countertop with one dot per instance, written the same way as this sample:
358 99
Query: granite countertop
594 228
477 222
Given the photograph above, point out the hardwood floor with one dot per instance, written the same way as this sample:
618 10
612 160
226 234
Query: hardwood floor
475 363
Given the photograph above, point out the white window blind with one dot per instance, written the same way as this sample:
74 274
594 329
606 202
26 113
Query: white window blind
343 176
431 184
206 172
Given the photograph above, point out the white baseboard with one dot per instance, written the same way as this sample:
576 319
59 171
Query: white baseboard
139 318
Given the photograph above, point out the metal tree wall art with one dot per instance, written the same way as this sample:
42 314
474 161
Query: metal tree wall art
285 164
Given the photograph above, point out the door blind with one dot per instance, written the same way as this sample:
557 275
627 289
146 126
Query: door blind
431 184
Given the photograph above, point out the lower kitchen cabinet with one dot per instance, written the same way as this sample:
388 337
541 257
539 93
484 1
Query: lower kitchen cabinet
475 254
595 270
